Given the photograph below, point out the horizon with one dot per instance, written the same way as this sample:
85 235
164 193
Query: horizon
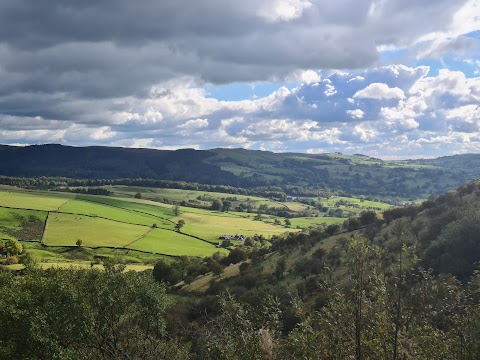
235 148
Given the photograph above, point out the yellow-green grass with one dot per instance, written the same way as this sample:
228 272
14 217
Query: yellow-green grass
180 194
14 267
172 243
31 200
306 222
152 208
11 219
229 214
45 255
202 283
362 204
168 209
65 230
87 265
294 206
110 212
210 227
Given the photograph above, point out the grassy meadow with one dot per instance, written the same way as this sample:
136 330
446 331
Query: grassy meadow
50 223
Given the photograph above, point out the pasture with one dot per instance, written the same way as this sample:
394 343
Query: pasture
210 227
125 215
50 223
173 243
21 224
306 222
32 200
66 229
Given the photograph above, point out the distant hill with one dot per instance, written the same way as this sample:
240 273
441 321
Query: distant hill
294 173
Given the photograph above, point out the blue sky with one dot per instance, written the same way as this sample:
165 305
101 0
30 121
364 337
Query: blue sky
385 78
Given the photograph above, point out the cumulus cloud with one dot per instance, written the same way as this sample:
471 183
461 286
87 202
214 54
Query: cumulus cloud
379 91
427 111
74 72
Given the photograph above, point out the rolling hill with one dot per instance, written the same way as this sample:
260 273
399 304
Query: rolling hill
295 174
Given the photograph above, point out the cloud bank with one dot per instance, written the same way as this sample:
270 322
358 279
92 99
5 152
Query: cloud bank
134 74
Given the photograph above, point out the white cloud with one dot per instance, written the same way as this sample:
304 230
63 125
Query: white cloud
412 114
195 124
379 91
356 114
304 76
284 10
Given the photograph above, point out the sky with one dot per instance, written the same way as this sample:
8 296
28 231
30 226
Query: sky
391 79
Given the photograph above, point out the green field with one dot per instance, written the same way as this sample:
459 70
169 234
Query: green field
173 243
210 227
123 223
65 230
87 265
306 222
33 200
21 224
158 210
125 215
140 229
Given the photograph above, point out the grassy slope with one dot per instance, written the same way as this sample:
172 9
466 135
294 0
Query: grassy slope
110 212
149 208
173 243
33 200
211 227
65 229
11 219
306 222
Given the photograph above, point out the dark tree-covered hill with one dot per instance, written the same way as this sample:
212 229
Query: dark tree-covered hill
301 174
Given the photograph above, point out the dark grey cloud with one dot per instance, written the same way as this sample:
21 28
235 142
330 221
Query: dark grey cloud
130 72
113 48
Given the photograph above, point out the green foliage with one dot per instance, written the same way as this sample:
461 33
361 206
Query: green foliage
13 247
457 249
180 224
217 204
83 314
176 210
169 273
238 254
235 333
30 261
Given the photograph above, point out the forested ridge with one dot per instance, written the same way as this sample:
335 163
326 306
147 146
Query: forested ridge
294 174
404 285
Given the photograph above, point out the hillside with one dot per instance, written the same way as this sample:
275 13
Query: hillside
296 174
402 285
441 234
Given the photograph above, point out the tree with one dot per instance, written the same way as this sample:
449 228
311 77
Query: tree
138 195
217 204
180 224
79 242
457 249
227 205
287 222
176 210
92 315
236 255
169 273
13 247
30 261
